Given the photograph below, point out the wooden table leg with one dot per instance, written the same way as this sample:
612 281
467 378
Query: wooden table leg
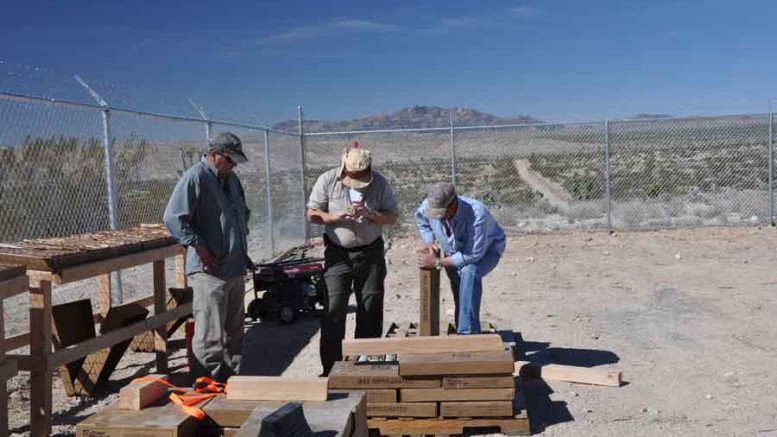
160 306
40 347
180 271
105 293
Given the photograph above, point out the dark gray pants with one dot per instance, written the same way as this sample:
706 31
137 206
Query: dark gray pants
361 271
219 314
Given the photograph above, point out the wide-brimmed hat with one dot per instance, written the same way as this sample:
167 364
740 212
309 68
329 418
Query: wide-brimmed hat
354 160
228 144
440 197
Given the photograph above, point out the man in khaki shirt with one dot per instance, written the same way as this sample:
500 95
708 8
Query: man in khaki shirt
354 202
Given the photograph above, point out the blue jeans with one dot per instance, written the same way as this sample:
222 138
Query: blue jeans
467 289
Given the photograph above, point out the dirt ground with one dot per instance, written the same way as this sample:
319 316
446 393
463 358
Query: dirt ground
688 316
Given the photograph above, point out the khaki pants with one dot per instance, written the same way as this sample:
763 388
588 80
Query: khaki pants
218 310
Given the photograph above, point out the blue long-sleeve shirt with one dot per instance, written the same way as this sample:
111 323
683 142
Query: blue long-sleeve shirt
474 232
208 209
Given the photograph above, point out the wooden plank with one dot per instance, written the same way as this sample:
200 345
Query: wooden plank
344 415
8 369
40 346
11 271
402 409
271 388
513 426
395 345
72 325
97 268
381 396
348 375
456 363
558 372
162 421
160 306
349 407
429 302
476 409
489 381
463 394
228 413
17 341
13 286
138 394
23 339
85 348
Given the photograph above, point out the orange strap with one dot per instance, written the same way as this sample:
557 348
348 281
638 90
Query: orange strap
206 387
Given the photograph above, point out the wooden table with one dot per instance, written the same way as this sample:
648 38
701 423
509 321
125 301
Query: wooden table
13 281
53 262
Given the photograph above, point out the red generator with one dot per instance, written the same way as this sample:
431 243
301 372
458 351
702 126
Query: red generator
289 288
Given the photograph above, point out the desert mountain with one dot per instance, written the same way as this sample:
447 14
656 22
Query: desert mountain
409 118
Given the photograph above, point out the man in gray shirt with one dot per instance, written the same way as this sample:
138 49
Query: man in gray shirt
354 202
207 214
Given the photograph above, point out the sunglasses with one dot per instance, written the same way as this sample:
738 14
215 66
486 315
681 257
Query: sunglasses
227 157
357 174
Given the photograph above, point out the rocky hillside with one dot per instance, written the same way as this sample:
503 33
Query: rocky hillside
409 118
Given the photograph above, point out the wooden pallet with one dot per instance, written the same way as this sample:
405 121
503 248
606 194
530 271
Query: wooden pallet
518 424
53 254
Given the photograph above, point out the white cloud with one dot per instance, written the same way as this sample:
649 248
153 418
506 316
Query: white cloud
333 27
524 11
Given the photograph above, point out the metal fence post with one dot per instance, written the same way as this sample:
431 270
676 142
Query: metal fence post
116 288
607 182
453 153
268 171
302 168
770 166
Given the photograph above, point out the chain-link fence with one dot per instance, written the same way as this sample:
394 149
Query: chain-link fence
629 174
55 180
621 175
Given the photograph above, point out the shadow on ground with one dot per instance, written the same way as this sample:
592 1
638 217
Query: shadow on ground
270 346
543 411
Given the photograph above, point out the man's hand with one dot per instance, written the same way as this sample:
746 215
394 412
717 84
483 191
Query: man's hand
338 217
324 218
360 210
210 263
426 258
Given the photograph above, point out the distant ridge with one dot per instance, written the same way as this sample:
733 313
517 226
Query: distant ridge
413 117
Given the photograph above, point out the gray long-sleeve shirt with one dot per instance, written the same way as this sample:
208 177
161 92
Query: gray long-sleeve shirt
210 209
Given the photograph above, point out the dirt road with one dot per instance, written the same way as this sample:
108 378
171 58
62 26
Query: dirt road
554 192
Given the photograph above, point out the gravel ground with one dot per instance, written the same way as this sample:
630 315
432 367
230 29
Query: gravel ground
688 316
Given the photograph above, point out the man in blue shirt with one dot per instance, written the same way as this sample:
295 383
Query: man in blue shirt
471 245
207 214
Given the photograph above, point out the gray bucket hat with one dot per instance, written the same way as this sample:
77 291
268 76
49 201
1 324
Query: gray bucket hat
440 197
228 144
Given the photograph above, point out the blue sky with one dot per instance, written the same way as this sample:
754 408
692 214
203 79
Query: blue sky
552 59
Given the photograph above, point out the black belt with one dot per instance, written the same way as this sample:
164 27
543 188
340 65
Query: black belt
329 243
